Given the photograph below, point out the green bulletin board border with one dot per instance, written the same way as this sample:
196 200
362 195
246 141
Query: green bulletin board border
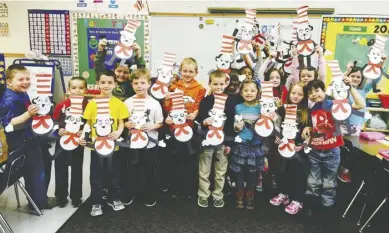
82 45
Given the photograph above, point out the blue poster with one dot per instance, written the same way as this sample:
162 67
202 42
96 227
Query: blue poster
94 35
2 69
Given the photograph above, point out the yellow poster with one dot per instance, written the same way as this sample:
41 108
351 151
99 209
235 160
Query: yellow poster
349 38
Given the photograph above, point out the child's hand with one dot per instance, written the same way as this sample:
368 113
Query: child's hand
273 116
227 150
79 133
298 148
278 140
169 120
293 52
167 96
102 45
347 80
62 132
114 135
147 127
130 125
137 49
239 125
208 121
319 50
32 110
306 132
82 142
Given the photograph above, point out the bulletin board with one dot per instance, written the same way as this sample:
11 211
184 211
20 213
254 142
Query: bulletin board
88 28
349 37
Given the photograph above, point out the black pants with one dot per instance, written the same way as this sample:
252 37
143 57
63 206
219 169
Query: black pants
75 159
47 160
293 181
251 180
98 174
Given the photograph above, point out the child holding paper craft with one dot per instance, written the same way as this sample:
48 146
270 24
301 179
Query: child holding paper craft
109 112
144 103
68 115
278 79
16 111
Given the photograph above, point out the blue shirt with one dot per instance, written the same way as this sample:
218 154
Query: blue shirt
250 115
14 104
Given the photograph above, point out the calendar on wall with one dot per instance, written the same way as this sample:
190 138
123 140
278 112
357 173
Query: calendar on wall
49 31
66 64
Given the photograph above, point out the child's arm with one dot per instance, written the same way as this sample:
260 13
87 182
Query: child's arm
359 101
138 58
116 134
295 63
203 112
261 71
158 120
100 57
199 97
322 69
32 110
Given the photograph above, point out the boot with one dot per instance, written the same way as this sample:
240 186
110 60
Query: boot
250 199
239 199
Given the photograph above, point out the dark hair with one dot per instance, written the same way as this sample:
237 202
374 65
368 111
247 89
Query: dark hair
282 77
249 82
316 72
78 79
234 75
108 73
315 84
246 67
217 74
355 69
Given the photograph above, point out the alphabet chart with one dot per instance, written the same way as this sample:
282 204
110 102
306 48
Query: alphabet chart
50 31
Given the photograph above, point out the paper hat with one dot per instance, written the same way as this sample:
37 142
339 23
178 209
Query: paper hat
43 84
76 105
102 106
290 113
168 59
227 45
267 90
380 42
335 69
250 16
177 100
294 29
302 13
220 102
131 26
139 105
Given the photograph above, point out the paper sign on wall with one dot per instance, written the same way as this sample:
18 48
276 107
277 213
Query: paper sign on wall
112 4
81 3
4 29
3 10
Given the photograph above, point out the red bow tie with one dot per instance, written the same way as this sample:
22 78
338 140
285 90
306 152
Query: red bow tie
305 44
181 129
138 134
264 120
72 138
373 67
41 121
339 104
245 44
159 85
104 143
287 145
126 50
215 131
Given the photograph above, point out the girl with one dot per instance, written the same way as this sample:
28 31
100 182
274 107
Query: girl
247 71
278 79
248 154
292 175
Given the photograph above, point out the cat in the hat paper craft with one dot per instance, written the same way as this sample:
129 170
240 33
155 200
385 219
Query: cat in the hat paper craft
215 134
284 56
139 116
305 45
103 126
244 35
165 75
373 69
264 125
289 131
182 131
42 123
73 123
123 50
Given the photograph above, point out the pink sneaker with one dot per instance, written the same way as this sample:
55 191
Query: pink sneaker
294 207
280 198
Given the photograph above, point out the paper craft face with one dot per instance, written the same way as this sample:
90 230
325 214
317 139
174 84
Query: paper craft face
103 125
246 32
375 56
268 106
289 130
42 122
165 74
73 123
339 89
224 61
140 118
178 116
218 118
304 32
44 104
127 38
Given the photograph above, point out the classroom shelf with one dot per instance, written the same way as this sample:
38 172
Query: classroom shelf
377 130
378 109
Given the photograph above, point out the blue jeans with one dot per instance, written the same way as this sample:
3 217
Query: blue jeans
323 169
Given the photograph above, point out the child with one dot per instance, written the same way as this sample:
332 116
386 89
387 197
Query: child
248 154
76 87
279 90
217 84
233 86
247 71
292 178
118 112
16 110
141 82
185 167
123 89
324 158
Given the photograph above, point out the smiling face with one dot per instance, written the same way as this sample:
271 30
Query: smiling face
249 92
76 87
141 86
375 56
218 84
356 78
306 76
103 125
188 72
249 74
106 84
316 95
275 78
296 94
93 43
20 82
122 73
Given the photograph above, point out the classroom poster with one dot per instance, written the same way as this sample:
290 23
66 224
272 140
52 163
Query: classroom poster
350 37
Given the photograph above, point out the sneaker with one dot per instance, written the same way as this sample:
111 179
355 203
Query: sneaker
62 202
280 198
96 210
218 203
151 203
202 202
344 176
105 194
294 207
233 184
116 205
128 201
259 186
76 202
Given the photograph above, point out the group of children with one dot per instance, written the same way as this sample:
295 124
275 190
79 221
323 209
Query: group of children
307 177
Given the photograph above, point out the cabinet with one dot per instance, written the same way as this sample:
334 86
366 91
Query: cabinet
384 112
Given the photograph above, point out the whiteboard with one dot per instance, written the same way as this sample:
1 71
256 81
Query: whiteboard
182 35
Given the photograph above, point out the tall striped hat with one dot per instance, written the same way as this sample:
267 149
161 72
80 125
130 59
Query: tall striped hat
131 26
168 60
139 105
250 17
290 113
227 45
335 69
220 102
177 100
76 105
380 42
267 90
43 84
102 106
302 13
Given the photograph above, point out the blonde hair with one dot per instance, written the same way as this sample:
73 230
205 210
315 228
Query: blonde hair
189 61
141 73
13 69
302 107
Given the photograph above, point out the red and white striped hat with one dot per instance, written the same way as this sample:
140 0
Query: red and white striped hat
168 60
220 102
290 113
250 17
43 84
335 69
76 105
294 29
139 105
227 45
267 90
177 100
380 42
131 26
102 106
302 13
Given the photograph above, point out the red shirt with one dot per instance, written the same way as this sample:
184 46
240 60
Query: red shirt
282 95
59 111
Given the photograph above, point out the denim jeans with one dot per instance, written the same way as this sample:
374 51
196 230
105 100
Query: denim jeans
323 169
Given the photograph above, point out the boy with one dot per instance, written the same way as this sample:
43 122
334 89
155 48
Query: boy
217 84
118 112
123 89
16 110
76 87
325 154
141 82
